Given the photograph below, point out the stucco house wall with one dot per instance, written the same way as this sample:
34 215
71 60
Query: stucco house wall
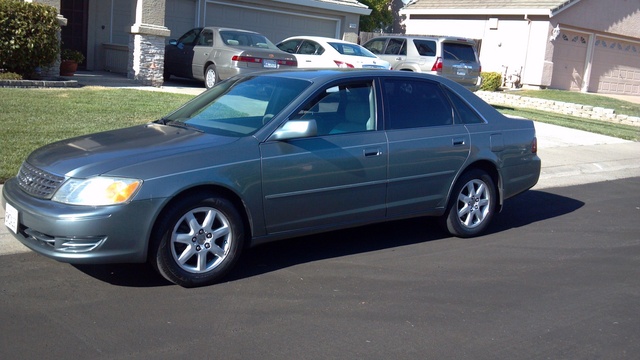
582 45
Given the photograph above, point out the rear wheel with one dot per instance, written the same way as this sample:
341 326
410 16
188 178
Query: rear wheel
210 76
198 241
472 204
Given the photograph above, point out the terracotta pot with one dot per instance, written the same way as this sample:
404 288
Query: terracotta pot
68 67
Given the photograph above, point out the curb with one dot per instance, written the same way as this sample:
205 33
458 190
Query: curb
49 83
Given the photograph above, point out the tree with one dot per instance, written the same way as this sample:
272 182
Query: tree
380 18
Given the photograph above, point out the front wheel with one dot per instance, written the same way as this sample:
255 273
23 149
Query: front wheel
472 204
199 240
210 76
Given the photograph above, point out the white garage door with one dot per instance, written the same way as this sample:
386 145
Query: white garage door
616 67
274 24
569 55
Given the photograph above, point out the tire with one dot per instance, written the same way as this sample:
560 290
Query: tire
198 240
210 76
472 204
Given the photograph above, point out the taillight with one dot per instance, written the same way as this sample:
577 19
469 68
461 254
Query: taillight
534 145
438 65
342 64
288 62
250 59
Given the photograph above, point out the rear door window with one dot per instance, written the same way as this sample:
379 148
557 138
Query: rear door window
414 103
396 46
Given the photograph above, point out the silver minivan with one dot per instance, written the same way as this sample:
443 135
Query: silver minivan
452 57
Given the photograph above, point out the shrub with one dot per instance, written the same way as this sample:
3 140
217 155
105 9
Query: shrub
28 36
10 76
491 81
73 55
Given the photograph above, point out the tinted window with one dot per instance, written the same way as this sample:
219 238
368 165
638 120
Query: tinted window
459 52
310 48
465 114
376 46
411 103
206 38
345 108
190 37
396 47
425 47
289 46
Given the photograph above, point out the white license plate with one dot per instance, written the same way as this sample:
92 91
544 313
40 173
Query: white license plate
11 218
462 72
270 64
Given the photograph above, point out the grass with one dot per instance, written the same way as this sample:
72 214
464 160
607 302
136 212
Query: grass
31 118
620 106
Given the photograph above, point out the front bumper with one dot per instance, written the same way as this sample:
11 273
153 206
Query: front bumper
82 234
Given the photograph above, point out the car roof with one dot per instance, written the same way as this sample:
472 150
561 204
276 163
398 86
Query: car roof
427 37
228 28
319 39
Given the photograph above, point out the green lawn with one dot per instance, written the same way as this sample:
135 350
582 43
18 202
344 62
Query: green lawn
621 107
31 118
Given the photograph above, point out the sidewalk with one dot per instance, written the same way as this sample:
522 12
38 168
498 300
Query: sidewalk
108 79
569 157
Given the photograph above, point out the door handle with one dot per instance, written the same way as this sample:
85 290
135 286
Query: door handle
458 142
372 152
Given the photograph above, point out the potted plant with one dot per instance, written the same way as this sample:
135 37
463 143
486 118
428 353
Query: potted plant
69 61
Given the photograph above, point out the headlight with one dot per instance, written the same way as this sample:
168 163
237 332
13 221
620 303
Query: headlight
97 191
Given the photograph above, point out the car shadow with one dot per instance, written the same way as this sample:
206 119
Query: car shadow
527 208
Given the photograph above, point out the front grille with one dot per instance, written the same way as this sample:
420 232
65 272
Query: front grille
37 182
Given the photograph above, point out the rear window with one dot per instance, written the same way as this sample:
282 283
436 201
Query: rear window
425 47
351 49
459 52
236 38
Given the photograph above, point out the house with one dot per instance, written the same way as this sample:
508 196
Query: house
579 45
129 36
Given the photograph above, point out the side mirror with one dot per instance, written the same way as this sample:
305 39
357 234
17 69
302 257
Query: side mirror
294 129
173 42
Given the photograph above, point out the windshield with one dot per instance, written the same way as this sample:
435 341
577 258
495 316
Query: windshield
238 106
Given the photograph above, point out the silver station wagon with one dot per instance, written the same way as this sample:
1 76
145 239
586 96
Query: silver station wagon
268 156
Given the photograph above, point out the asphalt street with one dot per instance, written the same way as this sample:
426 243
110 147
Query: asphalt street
555 278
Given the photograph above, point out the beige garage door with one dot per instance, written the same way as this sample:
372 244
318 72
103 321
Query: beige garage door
274 24
569 54
616 67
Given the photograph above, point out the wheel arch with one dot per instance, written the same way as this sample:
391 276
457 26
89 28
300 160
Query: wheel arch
492 170
211 190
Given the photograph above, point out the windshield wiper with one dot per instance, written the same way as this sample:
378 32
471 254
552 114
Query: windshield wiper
178 124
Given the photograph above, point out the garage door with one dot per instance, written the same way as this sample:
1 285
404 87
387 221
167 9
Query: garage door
616 67
274 24
569 55
180 17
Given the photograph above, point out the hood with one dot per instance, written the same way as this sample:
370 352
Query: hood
103 152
